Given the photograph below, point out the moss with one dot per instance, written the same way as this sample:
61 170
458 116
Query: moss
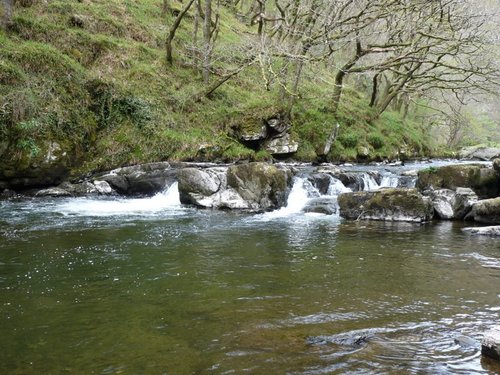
484 181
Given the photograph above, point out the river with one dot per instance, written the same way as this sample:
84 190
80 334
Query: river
147 286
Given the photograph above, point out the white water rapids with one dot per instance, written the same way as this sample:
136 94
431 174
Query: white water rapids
168 201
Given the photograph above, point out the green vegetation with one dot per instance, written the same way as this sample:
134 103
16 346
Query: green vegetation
92 78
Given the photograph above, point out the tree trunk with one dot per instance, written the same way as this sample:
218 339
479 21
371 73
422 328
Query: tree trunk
173 29
6 7
339 78
207 37
374 90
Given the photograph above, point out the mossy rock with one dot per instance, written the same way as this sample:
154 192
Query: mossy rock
261 183
484 181
48 167
387 204
487 211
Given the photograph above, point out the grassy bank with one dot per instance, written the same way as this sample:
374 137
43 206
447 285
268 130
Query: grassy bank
87 84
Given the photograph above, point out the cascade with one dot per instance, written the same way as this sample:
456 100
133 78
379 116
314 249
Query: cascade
369 182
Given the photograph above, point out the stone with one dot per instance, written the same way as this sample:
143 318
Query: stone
321 181
256 186
493 231
353 181
142 179
7 194
278 125
452 205
486 211
53 192
281 145
490 344
392 204
257 133
322 205
103 188
198 187
262 185
484 181
479 153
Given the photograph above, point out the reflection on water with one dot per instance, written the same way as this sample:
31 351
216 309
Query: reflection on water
90 286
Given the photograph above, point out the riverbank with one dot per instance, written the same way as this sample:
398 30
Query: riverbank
105 98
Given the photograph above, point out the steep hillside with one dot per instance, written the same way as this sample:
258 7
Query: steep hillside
84 86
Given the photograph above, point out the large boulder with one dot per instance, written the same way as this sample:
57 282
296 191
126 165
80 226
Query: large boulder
486 211
479 153
392 204
256 186
453 204
262 185
144 179
49 167
484 181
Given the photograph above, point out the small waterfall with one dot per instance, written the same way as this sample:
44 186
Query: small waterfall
167 200
302 191
336 187
369 182
390 181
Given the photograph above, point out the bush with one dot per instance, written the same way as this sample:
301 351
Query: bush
376 140
349 140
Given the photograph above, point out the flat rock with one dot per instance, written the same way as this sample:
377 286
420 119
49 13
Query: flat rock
53 192
490 344
391 204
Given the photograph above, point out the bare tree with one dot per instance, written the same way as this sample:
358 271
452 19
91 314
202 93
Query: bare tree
173 30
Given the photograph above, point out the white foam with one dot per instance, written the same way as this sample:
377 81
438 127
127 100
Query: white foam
166 200
302 191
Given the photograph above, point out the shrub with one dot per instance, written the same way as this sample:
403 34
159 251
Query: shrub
349 140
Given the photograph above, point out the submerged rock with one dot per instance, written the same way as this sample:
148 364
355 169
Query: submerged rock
484 181
484 231
486 211
490 344
322 205
388 204
452 204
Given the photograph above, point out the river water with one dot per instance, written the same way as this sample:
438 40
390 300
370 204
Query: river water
147 286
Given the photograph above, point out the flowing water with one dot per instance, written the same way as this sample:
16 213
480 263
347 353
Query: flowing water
147 286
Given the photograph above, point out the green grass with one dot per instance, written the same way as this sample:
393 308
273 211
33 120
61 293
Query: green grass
91 76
